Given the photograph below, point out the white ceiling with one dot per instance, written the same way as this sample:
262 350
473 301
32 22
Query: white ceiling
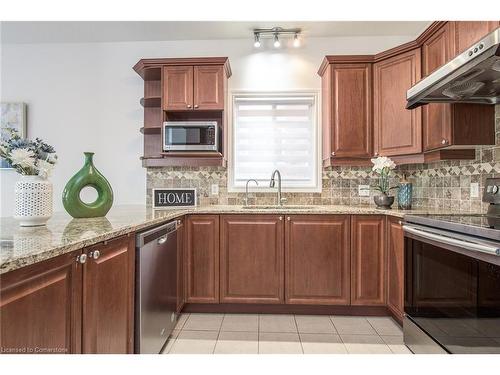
122 31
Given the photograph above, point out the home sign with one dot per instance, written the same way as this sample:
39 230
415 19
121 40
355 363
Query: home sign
174 198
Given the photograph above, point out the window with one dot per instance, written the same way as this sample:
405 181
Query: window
275 131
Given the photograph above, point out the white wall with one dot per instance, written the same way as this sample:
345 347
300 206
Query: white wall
85 96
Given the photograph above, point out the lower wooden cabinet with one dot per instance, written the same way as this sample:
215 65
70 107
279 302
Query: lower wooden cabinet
202 258
395 267
317 259
108 297
251 258
368 260
62 305
41 307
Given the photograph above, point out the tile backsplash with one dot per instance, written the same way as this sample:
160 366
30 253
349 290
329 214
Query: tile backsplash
444 185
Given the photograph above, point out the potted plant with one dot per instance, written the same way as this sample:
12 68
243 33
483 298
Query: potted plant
383 167
34 161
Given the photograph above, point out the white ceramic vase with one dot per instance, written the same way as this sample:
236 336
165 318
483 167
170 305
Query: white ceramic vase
33 201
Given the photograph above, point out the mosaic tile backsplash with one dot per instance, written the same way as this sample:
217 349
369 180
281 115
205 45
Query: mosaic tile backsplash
441 185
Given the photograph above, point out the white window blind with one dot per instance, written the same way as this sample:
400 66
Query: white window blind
275 132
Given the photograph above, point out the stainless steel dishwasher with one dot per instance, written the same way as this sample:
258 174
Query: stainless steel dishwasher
156 287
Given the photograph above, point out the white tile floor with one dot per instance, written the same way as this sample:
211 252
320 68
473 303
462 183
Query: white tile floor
284 334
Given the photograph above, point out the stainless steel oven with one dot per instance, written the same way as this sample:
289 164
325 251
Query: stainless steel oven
452 281
191 136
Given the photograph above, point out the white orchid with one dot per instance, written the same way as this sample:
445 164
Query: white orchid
383 166
22 157
44 168
52 158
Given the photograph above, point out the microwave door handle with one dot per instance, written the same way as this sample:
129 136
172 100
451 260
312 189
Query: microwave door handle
494 250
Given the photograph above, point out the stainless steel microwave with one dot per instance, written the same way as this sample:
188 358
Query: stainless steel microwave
191 136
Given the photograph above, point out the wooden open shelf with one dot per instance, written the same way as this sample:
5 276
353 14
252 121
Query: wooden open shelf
194 160
150 130
153 101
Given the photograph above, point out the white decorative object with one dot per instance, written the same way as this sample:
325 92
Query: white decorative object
33 201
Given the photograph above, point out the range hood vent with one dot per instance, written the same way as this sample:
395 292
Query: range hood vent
471 77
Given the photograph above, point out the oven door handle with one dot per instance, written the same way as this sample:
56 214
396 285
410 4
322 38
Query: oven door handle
469 245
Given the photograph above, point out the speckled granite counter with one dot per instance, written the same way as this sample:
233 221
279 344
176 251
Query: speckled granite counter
21 246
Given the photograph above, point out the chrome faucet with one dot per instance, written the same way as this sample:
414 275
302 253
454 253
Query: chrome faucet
272 183
246 190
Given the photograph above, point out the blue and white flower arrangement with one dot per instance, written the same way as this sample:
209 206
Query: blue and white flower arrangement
28 157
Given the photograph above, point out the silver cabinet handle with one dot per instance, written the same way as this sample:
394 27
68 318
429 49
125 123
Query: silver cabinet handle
162 240
288 218
281 217
469 245
444 141
196 106
82 258
179 222
95 254
189 105
333 153
375 154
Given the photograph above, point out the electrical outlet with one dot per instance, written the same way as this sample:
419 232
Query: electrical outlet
474 190
215 189
364 190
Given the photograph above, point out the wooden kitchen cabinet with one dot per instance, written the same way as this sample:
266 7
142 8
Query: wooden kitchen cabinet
251 258
317 259
181 290
448 125
202 258
41 306
397 131
395 267
188 88
108 297
347 109
469 32
368 260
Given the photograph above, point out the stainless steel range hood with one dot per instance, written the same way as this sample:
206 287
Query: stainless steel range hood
471 77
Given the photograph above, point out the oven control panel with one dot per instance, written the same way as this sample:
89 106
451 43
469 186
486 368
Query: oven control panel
491 192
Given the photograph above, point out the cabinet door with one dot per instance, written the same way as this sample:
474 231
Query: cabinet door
202 253
437 51
469 32
398 131
177 88
181 290
351 135
317 259
368 260
209 87
395 267
108 297
252 259
40 307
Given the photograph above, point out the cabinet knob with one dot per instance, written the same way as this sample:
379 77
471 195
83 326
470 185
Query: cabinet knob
189 105
179 222
444 141
333 153
288 218
281 217
196 106
375 154
95 254
82 258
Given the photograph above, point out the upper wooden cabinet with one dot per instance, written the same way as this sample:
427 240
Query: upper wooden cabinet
466 33
397 131
448 125
368 260
317 251
202 258
188 88
251 258
108 297
346 85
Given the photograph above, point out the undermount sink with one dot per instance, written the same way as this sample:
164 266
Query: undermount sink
277 207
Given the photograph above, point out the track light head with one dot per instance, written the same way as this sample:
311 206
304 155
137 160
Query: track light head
256 42
277 42
296 40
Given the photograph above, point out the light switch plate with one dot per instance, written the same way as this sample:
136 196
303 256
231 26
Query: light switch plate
474 190
215 189
364 190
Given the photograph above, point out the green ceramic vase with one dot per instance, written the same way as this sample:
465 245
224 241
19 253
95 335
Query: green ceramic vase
88 176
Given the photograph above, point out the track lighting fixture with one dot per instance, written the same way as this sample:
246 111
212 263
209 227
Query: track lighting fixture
276 33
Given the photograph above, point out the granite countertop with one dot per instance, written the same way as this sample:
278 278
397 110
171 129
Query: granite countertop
22 246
